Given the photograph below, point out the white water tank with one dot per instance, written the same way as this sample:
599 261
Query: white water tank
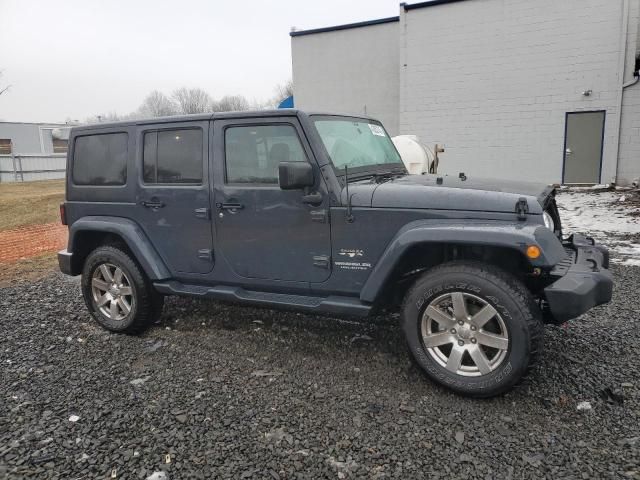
415 156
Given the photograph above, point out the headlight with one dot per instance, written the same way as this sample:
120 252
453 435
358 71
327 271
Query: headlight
548 221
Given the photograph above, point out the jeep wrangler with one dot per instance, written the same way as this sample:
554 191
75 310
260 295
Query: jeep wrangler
317 213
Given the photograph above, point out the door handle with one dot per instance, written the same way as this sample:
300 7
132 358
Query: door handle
568 151
312 198
229 206
152 204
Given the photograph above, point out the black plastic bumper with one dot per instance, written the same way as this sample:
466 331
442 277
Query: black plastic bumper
65 260
584 280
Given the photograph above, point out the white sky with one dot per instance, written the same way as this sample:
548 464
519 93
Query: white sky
78 58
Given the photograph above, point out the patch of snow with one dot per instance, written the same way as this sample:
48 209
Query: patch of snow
604 216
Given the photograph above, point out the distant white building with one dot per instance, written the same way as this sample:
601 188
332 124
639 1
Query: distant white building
32 151
545 90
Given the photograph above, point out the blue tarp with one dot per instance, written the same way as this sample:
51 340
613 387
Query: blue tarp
287 102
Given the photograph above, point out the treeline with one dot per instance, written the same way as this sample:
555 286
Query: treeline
185 100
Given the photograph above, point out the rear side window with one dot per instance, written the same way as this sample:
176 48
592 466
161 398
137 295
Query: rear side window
173 156
100 159
252 154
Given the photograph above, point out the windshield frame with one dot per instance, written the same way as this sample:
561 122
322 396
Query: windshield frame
363 171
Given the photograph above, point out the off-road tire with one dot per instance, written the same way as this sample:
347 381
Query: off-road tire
146 305
509 297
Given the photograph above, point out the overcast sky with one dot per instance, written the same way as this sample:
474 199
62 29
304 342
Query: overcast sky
78 58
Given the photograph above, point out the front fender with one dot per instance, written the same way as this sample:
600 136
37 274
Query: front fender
516 236
133 236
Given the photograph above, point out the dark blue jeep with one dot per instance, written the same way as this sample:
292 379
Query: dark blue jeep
317 213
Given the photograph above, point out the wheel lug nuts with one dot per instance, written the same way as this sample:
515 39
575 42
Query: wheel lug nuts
460 342
473 327
473 340
453 330
460 322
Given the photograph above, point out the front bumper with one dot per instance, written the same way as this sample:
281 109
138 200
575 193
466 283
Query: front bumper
584 282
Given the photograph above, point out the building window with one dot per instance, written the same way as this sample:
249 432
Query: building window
173 156
5 146
100 159
59 145
252 154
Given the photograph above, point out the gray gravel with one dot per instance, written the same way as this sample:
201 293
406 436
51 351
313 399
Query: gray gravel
217 391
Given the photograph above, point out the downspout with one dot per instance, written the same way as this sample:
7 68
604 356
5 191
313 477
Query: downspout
621 64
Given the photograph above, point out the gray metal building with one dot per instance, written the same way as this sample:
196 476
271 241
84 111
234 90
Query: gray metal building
545 90
32 151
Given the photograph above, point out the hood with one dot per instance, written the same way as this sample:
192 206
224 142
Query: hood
453 193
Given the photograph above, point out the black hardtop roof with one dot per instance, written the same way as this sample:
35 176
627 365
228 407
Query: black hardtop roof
211 116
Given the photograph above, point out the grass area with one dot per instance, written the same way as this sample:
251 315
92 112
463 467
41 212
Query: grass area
28 270
30 203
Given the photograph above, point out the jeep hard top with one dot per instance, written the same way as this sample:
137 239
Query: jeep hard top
317 213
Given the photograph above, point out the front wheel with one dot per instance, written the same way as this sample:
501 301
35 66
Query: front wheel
472 328
117 292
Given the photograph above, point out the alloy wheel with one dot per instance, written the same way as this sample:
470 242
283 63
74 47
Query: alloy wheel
112 291
465 334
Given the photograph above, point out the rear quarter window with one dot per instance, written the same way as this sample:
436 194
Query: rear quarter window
100 159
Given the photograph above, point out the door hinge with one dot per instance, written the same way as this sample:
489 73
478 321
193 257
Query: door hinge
522 208
205 254
322 261
319 216
202 213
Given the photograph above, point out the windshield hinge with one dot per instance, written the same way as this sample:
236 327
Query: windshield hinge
522 208
321 261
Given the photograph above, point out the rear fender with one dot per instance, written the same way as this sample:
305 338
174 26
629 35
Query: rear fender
131 234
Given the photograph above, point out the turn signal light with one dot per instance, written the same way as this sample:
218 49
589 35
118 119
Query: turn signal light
533 251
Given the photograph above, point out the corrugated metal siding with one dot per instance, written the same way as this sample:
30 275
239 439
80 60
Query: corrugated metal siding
33 167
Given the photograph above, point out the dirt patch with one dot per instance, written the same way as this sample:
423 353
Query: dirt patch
30 203
27 270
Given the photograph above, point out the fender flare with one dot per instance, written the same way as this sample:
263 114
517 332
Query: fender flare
131 233
510 235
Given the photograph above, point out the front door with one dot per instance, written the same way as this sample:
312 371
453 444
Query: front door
172 201
264 232
583 147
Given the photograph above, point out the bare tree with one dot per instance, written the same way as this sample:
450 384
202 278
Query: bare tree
192 100
284 90
157 104
231 103
5 89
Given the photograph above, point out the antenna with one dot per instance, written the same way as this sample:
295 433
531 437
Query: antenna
346 181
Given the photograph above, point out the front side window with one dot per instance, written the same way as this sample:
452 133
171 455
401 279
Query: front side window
252 153
100 159
173 156
356 143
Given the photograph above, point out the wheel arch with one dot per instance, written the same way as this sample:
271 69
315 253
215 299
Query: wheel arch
88 233
424 244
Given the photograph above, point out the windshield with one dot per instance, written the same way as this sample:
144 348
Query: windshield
357 144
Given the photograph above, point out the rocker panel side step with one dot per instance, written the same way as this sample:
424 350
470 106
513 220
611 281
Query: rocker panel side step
333 304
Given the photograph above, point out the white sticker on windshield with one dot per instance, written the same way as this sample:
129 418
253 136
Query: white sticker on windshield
377 130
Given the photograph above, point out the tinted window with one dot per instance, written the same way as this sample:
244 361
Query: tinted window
253 153
173 156
100 159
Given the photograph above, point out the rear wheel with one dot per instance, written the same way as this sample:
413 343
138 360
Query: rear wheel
116 291
472 328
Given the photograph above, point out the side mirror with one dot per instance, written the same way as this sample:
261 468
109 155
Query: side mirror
295 175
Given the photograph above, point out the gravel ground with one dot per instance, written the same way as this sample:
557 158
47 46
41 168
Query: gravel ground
217 391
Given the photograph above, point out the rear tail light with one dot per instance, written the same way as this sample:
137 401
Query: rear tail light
63 213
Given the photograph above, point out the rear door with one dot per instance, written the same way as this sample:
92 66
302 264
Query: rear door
172 199
262 231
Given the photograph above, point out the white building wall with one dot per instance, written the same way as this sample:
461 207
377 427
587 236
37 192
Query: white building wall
354 71
493 80
629 152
